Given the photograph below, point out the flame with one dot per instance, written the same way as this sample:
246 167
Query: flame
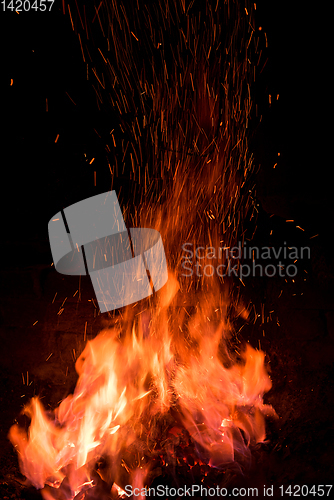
169 370
128 380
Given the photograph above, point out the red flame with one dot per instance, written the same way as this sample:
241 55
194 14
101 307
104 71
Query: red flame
130 379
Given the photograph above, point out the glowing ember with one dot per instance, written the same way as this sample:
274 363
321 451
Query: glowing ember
128 382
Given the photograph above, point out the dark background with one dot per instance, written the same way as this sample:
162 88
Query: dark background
41 54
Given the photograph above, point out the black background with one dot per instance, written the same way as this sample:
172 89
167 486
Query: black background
42 55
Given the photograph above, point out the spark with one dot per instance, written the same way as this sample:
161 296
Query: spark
69 11
82 51
68 95
79 14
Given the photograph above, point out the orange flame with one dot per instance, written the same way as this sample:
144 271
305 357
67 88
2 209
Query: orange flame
173 360
130 379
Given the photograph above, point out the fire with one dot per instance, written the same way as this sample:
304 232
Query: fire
164 386
129 380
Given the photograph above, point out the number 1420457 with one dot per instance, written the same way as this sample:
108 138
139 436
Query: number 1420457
27 5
